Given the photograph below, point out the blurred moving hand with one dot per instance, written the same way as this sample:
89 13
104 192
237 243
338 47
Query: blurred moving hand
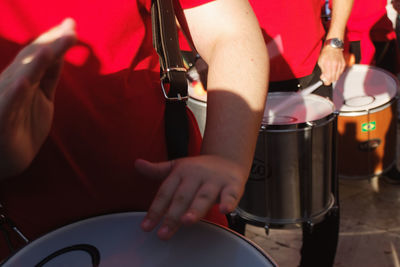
27 88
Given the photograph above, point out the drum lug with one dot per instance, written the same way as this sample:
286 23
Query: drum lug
233 214
236 223
266 227
309 225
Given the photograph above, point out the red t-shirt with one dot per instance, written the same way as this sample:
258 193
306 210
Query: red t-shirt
108 112
369 22
293 32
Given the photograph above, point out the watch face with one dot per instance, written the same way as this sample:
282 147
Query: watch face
335 42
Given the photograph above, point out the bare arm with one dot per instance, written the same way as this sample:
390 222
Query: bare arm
237 77
228 37
331 60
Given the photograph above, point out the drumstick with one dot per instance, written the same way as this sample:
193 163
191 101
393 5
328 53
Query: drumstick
306 91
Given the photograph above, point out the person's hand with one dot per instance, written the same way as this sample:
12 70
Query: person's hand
26 97
332 64
190 188
396 5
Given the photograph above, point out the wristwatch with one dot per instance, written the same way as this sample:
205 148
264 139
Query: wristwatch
335 43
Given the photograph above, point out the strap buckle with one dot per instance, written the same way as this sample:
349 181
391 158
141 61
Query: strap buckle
164 79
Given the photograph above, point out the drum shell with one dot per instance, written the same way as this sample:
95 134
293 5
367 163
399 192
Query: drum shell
199 109
364 154
197 101
366 99
291 177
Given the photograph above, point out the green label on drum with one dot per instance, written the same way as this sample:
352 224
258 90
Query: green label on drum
368 126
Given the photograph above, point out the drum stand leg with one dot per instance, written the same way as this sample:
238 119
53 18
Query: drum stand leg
236 223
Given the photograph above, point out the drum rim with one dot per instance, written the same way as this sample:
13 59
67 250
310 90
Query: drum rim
365 67
252 243
305 124
130 213
272 223
376 109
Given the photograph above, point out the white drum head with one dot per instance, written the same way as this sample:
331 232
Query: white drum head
117 240
284 108
363 87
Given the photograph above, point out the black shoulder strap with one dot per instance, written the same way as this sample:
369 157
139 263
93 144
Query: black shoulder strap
173 77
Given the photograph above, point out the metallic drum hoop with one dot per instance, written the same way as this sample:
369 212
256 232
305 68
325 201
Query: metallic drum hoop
371 110
286 223
303 126
390 101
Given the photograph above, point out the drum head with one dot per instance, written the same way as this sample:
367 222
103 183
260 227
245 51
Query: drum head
283 108
117 240
363 87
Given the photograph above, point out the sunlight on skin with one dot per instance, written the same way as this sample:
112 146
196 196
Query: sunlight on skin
65 28
27 60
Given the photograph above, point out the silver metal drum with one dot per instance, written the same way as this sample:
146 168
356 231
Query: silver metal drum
197 102
291 177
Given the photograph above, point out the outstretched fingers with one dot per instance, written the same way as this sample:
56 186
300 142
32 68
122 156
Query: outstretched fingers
60 37
191 187
229 199
205 198
170 204
53 45
39 63
160 203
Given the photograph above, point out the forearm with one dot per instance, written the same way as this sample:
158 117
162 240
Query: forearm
331 60
341 10
237 77
237 87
